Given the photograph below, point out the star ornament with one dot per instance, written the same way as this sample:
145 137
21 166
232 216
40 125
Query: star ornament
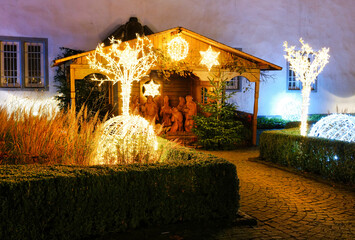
151 89
209 58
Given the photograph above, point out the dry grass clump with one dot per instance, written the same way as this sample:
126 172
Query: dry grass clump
62 138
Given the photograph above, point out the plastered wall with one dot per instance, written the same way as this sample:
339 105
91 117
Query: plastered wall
257 26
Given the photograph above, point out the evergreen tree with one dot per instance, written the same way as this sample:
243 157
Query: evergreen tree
87 92
217 127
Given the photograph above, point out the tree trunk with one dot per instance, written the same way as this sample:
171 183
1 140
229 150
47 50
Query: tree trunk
126 94
305 104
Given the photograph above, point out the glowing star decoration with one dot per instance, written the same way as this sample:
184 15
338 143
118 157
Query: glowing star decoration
209 58
123 64
336 126
127 140
151 89
178 48
306 64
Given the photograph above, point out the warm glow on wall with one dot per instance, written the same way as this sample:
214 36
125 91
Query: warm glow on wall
209 58
307 64
151 89
125 66
178 48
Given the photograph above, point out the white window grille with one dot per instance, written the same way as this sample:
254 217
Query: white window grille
234 84
34 65
10 67
23 62
293 83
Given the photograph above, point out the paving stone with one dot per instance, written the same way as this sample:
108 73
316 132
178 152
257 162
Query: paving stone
286 206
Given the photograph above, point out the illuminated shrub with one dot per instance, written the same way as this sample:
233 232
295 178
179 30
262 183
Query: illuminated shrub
336 126
127 139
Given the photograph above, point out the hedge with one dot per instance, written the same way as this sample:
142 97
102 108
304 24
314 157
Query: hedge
334 160
72 202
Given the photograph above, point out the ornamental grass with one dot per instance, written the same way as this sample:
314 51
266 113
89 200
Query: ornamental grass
62 138
66 138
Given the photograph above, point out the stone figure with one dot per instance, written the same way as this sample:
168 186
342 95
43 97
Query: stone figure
178 121
150 111
190 111
166 112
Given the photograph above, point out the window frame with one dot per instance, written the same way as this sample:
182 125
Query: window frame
239 89
314 85
22 55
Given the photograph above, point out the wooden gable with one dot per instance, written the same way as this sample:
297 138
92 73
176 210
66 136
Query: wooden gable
79 68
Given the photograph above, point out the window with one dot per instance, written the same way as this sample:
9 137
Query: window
234 84
23 63
293 83
204 95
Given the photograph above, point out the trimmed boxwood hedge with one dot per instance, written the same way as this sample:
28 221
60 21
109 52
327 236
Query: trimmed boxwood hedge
331 159
72 202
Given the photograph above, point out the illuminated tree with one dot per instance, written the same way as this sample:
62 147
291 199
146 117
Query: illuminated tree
124 64
126 138
306 64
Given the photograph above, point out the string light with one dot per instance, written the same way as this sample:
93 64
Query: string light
336 126
178 48
127 140
209 58
125 66
151 89
307 64
36 104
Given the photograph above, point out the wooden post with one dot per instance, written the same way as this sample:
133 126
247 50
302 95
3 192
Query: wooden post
255 113
72 88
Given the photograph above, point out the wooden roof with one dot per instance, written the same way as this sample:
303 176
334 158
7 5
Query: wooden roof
199 42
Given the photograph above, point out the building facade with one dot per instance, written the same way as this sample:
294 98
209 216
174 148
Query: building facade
32 32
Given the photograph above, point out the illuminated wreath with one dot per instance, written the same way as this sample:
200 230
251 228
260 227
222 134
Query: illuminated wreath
178 48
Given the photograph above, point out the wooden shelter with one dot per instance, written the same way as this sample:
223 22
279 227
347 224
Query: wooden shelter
176 85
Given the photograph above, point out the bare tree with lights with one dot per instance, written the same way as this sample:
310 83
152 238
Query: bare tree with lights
126 138
124 64
307 64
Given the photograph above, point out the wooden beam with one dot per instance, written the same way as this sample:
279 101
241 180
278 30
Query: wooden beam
255 113
72 88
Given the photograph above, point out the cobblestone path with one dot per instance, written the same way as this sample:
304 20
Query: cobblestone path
290 206
286 206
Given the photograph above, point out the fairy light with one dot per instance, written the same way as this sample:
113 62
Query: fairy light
209 58
178 48
151 89
127 139
336 126
34 104
125 66
307 64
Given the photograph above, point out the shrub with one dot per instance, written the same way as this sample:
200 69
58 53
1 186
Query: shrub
271 123
72 202
331 159
87 92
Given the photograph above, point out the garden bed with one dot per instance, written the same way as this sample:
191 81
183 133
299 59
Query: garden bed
72 202
334 160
